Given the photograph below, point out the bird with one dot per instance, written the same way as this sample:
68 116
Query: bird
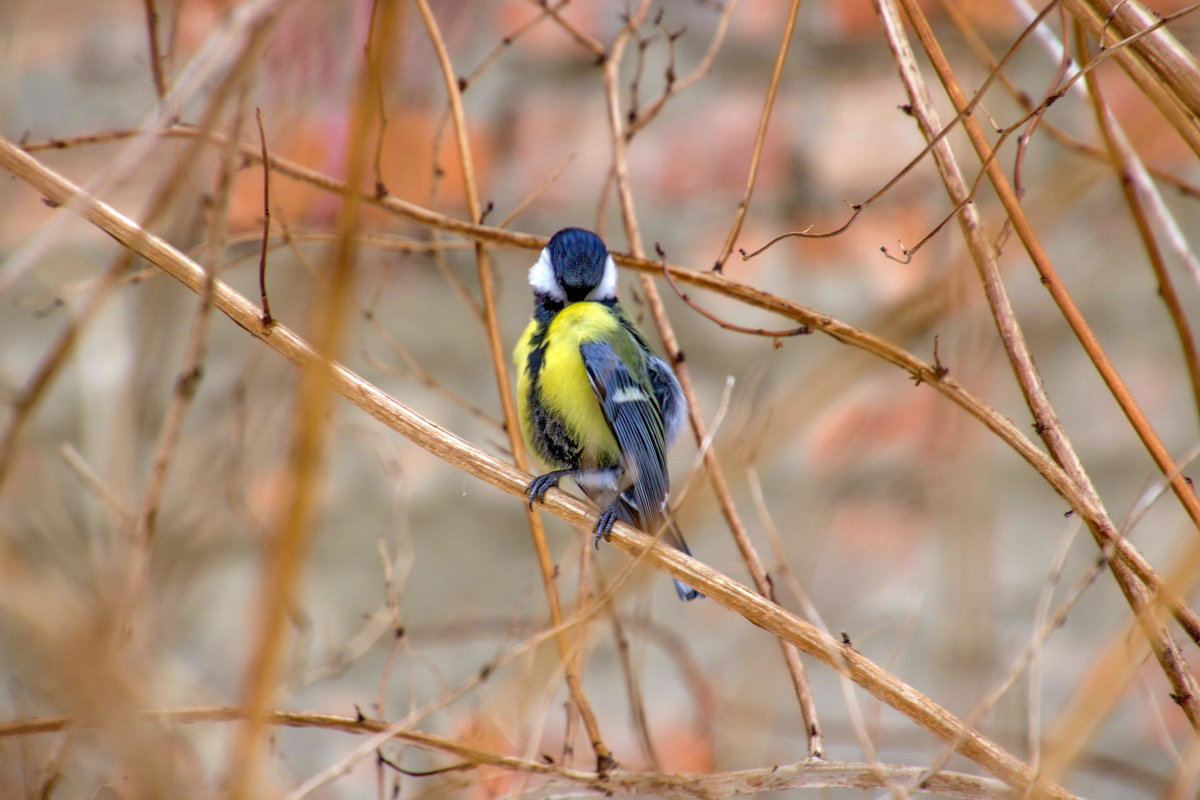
594 401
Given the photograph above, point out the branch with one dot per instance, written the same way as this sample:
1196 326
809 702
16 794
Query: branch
808 774
512 425
461 454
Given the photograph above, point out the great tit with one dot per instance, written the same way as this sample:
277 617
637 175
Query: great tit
594 401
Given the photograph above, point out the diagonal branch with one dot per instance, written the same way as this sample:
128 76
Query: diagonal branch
716 474
512 426
461 454
809 775
760 137
921 371
1139 597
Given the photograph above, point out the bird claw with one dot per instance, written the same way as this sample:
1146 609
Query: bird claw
537 488
604 523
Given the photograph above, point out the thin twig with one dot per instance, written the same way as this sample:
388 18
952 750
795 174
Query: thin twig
48 182
760 137
266 232
31 393
123 517
1139 598
423 376
587 42
374 61
646 114
963 112
156 59
459 453
1162 70
512 425
39 381
930 144
727 325
633 687
535 194
980 47
506 42
813 775
183 391
296 510
1183 491
670 343
215 68
1124 162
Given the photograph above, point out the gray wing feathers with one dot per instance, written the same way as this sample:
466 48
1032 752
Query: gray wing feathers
633 415
669 395
644 419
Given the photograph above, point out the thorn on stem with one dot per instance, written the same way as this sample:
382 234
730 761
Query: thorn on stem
940 370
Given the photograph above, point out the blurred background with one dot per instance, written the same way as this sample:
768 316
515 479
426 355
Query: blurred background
908 526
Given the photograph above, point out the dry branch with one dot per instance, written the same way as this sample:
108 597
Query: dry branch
461 454
619 783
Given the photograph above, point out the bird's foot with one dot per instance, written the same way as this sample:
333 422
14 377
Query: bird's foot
603 530
537 488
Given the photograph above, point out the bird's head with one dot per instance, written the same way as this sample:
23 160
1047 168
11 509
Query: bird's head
575 266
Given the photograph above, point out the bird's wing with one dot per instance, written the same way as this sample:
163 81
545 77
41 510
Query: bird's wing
632 412
669 395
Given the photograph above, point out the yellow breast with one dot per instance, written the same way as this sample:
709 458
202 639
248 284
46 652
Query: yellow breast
563 386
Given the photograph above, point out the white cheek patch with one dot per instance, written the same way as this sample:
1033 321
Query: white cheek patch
541 277
607 288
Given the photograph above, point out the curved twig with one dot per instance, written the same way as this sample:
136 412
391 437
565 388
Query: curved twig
457 452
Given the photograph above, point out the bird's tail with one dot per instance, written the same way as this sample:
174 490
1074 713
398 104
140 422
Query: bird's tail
649 524
674 538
